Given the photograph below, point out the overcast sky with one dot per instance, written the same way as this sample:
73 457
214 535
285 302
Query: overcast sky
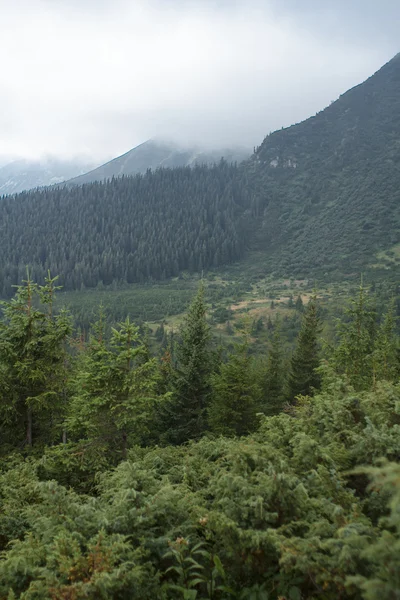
97 77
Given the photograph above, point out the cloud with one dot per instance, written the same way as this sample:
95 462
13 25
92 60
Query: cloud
97 77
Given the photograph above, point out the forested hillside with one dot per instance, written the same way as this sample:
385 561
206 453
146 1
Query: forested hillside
198 474
126 230
329 187
320 197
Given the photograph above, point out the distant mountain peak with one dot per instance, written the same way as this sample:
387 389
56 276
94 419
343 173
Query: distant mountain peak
23 174
157 153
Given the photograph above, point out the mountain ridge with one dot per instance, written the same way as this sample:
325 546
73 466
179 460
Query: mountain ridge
319 198
22 174
332 179
154 154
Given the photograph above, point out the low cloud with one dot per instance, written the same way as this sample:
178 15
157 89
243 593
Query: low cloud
99 77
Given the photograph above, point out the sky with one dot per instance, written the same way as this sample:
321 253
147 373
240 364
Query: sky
94 78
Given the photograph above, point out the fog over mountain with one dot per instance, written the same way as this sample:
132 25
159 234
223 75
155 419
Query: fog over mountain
209 72
23 174
155 154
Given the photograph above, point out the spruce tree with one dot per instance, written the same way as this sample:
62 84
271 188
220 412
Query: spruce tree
32 358
235 395
116 391
299 303
273 384
303 378
386 354
354 354
184 416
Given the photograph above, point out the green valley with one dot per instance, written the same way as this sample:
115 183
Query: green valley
204 403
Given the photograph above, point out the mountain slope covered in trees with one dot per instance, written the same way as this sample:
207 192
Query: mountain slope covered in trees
320 197
127 230
329 188
155 154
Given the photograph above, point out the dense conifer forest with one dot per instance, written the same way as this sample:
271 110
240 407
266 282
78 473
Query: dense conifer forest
130 229
196 472
321 197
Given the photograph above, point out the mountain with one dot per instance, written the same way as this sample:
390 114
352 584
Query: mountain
319 198
21 175
328 189
154 154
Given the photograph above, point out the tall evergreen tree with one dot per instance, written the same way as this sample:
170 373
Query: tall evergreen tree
273 384
235 395
354 354
299 303
184 417
386 358
116 391
32 358
303 378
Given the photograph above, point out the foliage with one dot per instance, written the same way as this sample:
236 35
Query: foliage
33 363
115 397
303 374
383 555
366 352
184 416
235 396
274 380
305 506
125 230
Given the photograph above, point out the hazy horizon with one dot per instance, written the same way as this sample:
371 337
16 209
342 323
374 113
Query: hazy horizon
93 79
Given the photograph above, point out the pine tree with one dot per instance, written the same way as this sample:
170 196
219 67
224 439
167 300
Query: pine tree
160 333
33 357
303 378
299 303
235 395
354 354
116 390
184 416
273 384
386 354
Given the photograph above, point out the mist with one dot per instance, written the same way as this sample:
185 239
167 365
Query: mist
95 78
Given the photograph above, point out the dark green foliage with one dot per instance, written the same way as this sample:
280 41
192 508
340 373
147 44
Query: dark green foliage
383 555
303 376
235 396
367 351
129 229
284 512
274 378
328 189
386 351
305 507
299 304
32 365
115 391
184 415
354 354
